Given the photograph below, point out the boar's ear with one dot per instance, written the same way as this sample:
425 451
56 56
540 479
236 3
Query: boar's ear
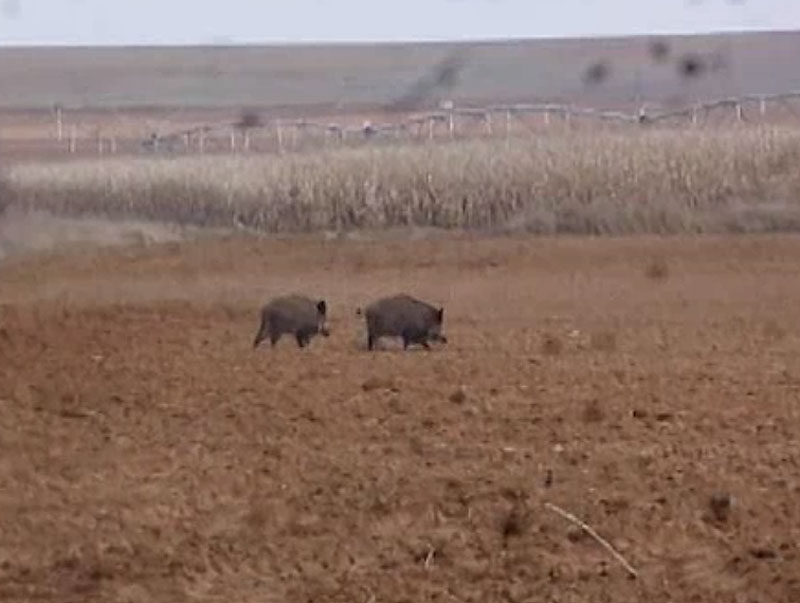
440 314
322 307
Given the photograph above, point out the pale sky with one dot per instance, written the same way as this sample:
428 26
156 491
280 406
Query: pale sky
132 22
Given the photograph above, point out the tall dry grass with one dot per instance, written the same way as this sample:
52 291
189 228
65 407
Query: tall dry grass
654 181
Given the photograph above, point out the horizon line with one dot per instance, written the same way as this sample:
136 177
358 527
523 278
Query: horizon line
223 43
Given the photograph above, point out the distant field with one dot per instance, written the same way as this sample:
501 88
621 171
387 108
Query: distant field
345 75
130 93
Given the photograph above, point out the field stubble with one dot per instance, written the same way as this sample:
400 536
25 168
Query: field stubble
148 454
741 179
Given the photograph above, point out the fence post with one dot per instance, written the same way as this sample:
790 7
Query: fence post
73 142
415 128
59 124
201 143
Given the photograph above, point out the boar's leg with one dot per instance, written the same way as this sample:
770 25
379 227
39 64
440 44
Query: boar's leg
258 339
302 339
263 331
414 336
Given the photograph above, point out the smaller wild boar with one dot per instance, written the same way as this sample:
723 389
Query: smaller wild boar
297 315
403 316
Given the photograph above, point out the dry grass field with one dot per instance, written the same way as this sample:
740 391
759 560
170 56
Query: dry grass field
666 180
149 454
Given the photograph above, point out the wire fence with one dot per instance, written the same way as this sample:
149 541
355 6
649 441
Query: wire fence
250 134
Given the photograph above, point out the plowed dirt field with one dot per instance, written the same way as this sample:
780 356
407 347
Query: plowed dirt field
148 453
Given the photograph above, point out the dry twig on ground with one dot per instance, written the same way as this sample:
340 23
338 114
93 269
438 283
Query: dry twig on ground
589 530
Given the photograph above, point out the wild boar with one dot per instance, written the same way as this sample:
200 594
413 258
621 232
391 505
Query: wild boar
297 315
403 316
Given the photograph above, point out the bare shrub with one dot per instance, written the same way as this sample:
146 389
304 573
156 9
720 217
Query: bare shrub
590 182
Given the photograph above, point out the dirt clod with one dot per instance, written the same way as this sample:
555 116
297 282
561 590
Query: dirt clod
552 345
761 552
512 523
592 412
459 396
720 504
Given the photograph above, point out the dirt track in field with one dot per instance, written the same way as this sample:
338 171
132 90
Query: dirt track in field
147 453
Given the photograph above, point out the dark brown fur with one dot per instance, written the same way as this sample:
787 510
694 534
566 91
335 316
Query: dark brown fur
298 315
415 321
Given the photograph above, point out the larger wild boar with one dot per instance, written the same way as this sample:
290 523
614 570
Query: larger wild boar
297 315
403 316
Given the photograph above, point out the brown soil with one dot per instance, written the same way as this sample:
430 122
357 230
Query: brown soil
148 453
